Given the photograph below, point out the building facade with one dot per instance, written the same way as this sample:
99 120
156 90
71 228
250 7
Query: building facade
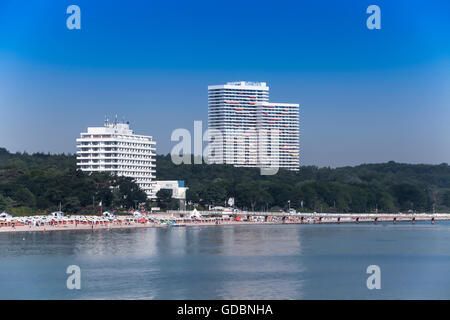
114 148
278 127
231 110
254 132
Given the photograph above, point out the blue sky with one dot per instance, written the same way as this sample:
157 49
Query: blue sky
365 95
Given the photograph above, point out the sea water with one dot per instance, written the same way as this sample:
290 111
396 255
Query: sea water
322 261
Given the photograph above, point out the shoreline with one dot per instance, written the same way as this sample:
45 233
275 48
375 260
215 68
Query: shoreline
72 227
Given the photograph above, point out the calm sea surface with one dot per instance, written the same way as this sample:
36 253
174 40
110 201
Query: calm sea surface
230 262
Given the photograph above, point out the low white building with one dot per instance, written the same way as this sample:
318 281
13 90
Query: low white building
177 187
116 149
178 190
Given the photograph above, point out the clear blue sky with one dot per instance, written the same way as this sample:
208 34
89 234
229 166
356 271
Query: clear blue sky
365 95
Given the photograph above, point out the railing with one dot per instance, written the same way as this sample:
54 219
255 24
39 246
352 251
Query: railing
318 215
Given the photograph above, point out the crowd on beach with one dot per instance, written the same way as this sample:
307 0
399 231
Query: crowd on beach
58 221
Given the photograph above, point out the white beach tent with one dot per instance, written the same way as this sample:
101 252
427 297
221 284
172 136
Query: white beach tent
108 214
56 214
137 214
195 214
5 215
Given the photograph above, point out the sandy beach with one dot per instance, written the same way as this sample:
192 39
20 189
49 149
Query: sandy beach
73 227
69 226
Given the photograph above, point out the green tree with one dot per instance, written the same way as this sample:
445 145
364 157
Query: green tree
165 200
446 198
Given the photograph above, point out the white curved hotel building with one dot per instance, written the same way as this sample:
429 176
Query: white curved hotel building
255 132
114 148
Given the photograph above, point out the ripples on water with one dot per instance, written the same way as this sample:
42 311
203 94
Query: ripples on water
230 262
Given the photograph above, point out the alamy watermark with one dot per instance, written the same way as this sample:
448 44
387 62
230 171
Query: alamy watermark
74 280
245 147
374 280
74 20
374 20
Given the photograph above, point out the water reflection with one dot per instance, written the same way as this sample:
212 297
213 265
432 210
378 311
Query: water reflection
229 262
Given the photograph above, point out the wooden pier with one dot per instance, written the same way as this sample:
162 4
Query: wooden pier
338 218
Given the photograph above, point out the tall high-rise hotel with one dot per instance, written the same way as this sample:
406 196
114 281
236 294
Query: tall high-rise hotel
114 148
255 132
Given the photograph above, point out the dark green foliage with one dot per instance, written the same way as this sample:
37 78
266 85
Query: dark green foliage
388 187
41 182
165 200
446 198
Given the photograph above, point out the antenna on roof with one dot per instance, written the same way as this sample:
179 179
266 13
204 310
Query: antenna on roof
106 120
115 121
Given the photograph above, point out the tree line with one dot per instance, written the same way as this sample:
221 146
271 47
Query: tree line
384 187
39 183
